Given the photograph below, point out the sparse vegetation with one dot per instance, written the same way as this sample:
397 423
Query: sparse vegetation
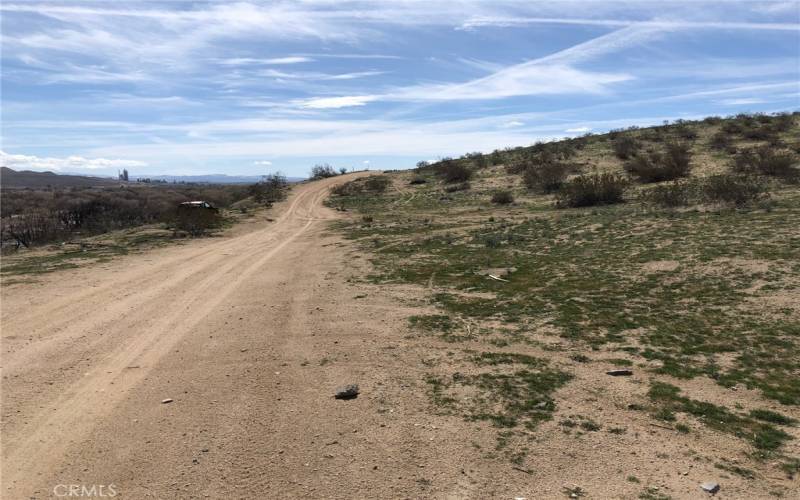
732 189
610 277
625 146
591 190
452 172
768 161
35 217
658 166
322 171
547 177
670 195
503 197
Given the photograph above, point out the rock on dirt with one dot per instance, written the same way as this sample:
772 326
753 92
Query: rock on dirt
349 391
165 401
710 487
619 373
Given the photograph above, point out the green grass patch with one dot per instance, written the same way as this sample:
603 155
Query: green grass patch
667 400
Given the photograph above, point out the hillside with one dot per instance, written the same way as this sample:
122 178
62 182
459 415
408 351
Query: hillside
616 315
16 179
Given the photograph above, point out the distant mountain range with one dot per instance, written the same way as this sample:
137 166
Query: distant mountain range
10 178
17 179
211 178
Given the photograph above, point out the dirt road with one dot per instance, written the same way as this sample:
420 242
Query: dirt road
247 335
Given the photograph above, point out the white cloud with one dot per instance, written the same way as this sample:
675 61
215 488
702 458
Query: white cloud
741 101
311 75
248 61
262 163
513 123
336 102
548 75
501 21
28 162
578 130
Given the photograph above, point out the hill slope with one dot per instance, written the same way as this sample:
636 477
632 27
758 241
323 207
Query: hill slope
14 179
527 304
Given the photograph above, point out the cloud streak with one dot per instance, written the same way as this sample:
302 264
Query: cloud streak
31 162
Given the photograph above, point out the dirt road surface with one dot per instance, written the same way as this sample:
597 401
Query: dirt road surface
248 336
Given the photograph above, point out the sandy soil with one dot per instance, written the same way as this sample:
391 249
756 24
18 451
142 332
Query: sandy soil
249 335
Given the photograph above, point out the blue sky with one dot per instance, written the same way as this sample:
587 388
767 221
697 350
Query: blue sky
256 87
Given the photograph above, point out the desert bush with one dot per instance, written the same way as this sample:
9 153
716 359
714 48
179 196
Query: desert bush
377 183
625 146
461 186
657 166
546 178
271 189
670 195
782 122
758 132
503 197
592 189
477 159
322 171
452 171
767 161
683 130
418 179
41 216
31 227
734 189
720 141
372 184
197 221
732 127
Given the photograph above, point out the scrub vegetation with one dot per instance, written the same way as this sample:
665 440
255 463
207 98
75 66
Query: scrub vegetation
672 250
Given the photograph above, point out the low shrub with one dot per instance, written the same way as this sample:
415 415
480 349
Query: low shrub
462 186
418 180
658 166
197 221
452 171
734 189
625 146
271 189
721 141
767 161
377 183
322 171
503 197
372 184
547 178
592 189
670 195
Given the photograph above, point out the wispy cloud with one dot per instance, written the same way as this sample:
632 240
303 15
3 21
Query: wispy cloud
249 61
743 101
337 102
30 162
483 21
578 130
548 75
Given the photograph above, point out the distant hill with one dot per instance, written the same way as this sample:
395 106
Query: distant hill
17 179
210 178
